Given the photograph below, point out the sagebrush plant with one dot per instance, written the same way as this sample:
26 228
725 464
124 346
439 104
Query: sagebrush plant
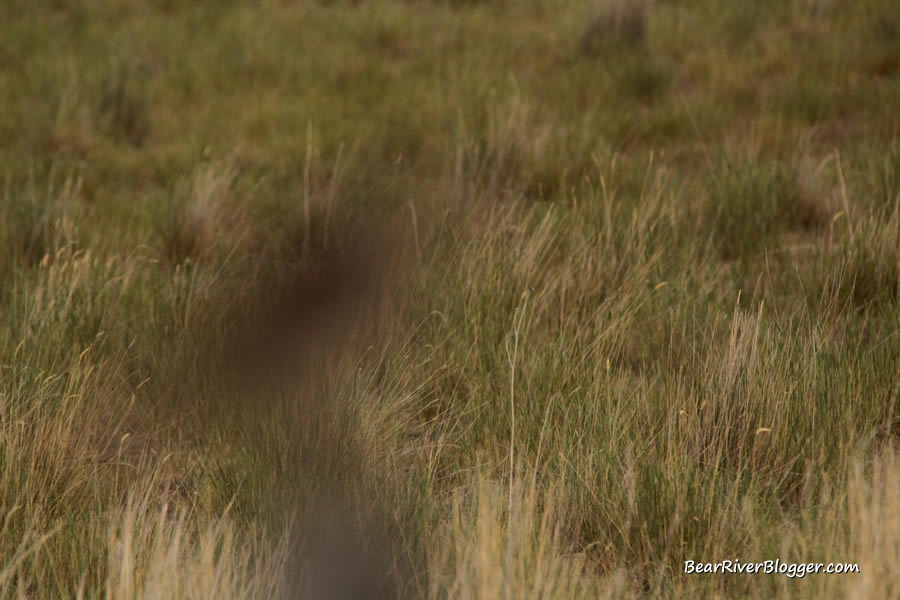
448 299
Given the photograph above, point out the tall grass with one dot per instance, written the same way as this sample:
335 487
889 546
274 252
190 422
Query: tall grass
447 300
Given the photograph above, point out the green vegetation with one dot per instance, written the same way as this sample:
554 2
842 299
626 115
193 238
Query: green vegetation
636 297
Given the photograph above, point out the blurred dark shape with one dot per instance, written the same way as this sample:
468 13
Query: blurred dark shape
261 361
341 556
310 302
307 305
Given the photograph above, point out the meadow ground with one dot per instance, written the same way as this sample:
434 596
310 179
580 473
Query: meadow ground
448 299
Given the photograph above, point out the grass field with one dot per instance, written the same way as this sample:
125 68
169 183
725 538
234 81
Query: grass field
448 299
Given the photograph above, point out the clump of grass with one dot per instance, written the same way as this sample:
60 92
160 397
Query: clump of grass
751 205
808 205
617 36
642 78
498 544
122 111
203 216
741 22
870 263
743 206
38 221
620 20
859 269
158 552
